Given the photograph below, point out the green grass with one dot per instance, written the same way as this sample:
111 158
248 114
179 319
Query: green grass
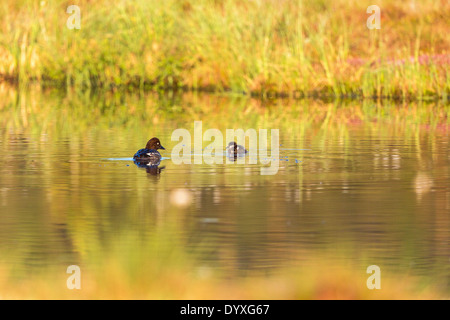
261 47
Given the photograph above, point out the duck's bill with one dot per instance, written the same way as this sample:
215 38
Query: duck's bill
161 147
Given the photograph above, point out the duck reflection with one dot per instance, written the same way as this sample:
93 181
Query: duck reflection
152 168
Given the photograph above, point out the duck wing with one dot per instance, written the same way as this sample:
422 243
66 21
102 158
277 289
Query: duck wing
146 154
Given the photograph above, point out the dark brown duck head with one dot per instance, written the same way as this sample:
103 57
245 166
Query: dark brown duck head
154 144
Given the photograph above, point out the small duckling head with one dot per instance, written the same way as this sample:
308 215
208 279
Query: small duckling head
232 146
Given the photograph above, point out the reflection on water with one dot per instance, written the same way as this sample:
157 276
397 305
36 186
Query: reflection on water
365 181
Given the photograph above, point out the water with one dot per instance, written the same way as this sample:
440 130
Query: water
368 191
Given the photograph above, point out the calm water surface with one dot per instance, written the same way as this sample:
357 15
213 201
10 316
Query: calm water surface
375 190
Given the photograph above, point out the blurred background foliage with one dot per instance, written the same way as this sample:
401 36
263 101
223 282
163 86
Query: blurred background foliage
262 47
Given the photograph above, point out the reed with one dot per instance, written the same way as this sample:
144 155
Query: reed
261 47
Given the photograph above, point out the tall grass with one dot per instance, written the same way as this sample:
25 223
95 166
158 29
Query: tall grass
263 47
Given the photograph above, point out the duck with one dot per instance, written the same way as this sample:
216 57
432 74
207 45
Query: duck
233 149
149 155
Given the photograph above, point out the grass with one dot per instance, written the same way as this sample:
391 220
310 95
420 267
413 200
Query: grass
262 47
155 267
340 283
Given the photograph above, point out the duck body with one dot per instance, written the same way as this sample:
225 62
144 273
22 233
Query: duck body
149 155
233 149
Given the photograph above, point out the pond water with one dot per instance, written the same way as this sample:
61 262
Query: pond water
363 182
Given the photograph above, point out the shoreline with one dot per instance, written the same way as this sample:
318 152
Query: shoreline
264 48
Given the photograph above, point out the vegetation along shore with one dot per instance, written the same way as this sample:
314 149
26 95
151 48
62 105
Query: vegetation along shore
260 47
